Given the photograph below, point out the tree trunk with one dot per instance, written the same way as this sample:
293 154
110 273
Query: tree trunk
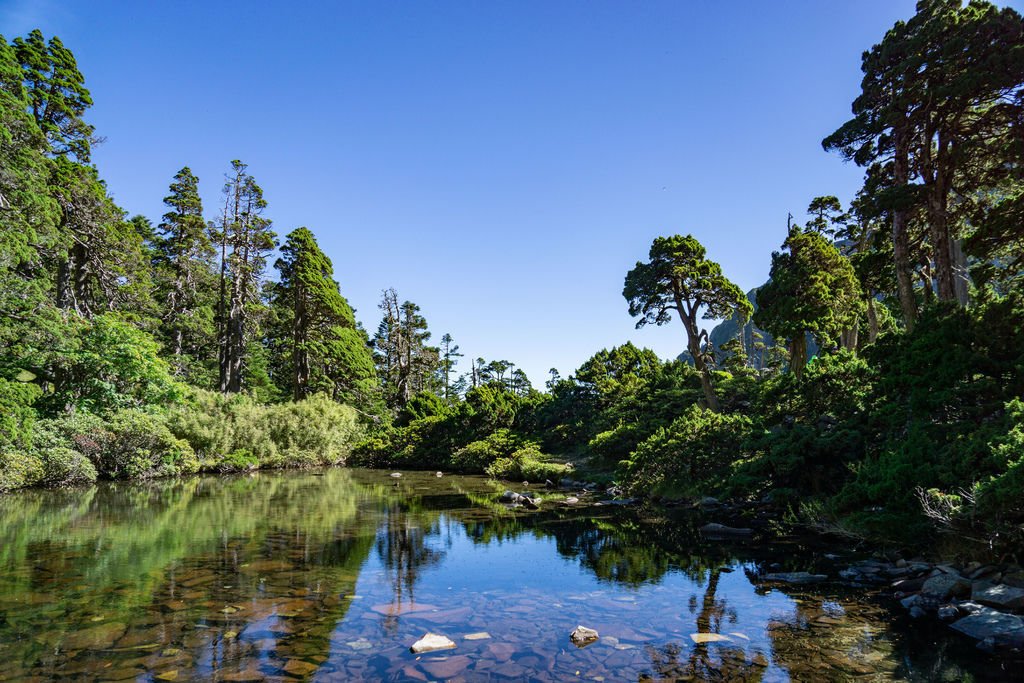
848 338
938 217
961 275
900 239
872 321
798 354
300 352
222 328
693 346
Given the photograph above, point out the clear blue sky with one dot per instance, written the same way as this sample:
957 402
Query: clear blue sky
502 164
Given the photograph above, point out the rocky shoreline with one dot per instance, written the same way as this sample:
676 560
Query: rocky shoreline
984 602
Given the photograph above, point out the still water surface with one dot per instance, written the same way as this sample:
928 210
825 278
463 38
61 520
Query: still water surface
333 575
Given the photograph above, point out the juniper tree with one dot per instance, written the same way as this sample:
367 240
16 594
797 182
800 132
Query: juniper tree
678 277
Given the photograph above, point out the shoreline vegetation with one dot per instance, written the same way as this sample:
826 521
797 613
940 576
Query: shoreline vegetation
872 386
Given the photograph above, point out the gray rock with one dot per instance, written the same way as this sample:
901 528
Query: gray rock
583 636
948 613
910 602
709 501
944 586
509 497
719 530
795 577
1006 630
998 595
916 612
908 585
572 500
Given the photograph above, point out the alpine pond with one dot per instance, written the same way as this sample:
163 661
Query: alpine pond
333 575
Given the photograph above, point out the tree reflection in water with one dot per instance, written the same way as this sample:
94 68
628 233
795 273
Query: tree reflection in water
254 577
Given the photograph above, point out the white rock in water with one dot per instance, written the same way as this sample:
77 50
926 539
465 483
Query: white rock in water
439 474
583 636
431 642
396 475
482 635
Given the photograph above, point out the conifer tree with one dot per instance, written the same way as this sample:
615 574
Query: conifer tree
245 239
326 350
679 277
56 94
449 359
812 289
183 253
407 364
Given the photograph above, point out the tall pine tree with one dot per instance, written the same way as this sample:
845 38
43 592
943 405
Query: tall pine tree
325 349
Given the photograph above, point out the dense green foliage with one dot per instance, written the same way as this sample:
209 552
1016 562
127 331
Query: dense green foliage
130 351
114 331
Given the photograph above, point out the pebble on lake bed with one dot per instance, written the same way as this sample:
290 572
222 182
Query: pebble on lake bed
583 636
431 642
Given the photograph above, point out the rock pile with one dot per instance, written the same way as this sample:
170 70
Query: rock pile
984 602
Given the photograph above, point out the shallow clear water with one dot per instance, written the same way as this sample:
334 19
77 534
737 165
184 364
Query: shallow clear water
333 575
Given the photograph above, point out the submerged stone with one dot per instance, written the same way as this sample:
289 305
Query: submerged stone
431 642
583 636
95 637
446 668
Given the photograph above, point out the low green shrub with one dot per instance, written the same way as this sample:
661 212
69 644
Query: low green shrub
315 431
16 413
695 454
525 464
477 456
66 467
241 460
137 444
19 469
